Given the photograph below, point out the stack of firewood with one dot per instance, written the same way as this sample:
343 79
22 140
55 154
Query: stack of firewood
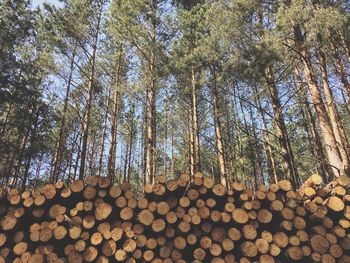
183 220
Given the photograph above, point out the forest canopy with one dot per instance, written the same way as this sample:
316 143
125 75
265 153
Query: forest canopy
248 90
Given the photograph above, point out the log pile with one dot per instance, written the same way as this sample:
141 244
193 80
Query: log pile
183 220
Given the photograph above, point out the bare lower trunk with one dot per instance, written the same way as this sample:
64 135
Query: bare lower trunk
165 144
30 150
197 165
338 130
131 142
22 148
317 151
267 140
172 161
326 128
86 124
104 131
218 129
150 133
116 105
281 129
151 122
7 115
191 140
62 133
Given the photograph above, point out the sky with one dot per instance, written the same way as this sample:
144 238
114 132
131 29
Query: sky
40 2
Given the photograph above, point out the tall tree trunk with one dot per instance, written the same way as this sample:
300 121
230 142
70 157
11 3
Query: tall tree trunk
78 151
326 128
197 164
165 144
131 142
253 179
30 150
22 148
338 130
151 121
260 178
218 128
126 151
172 161
86 124
191 140
6 119
280 128
267 140
115 111
311 129
62 133
104 131
38 168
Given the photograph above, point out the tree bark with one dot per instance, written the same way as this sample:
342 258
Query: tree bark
267 140
195 131
30 150
172 161
115 104
317 149
191 140
151 121
165 144
338 130
104 131
326 128
62 136
86 124
280 127
218 128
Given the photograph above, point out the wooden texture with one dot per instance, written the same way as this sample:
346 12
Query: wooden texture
181 220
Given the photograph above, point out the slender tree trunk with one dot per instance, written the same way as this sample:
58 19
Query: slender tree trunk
165 144
68 168
7 116
62 133
191 140
23 145
326 128
30 150
104 131
260 178
267 147
338 130
280 128
267 140
230 150
197 164
218 128
172 161
131 142
115 111
253 180
78 151
86 124
151 121
319 154
38 168
126 150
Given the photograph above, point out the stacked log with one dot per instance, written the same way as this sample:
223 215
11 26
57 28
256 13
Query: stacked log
182 220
